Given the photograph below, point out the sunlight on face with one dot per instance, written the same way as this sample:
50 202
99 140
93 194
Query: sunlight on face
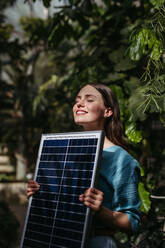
89 109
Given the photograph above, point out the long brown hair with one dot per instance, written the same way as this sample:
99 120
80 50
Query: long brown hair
113 127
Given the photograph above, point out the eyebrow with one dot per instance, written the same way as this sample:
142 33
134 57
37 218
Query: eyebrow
87 95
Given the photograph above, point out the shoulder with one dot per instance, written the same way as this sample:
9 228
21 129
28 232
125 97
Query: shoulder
117 159
117 153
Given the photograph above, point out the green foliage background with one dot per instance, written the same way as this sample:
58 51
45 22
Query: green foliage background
118 43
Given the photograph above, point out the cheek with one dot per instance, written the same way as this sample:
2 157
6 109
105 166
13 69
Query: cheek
73 112
73 109
96 109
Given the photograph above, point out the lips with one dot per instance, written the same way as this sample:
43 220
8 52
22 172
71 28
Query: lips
81 112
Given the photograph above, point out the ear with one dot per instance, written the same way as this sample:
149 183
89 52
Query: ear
108 112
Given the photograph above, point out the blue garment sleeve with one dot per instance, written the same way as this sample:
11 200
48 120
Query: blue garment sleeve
126 198
120 177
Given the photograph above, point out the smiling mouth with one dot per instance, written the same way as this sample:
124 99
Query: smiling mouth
80 112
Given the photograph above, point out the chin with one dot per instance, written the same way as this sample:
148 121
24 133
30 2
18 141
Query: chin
80 120
79 123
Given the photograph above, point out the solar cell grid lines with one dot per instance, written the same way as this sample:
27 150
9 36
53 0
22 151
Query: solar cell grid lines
66 166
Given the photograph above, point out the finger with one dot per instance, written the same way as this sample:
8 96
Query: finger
92 201
32 182
30 194
89 200
36 187
32 189
90 194
96 191
81 197
94 197
93 207
33 186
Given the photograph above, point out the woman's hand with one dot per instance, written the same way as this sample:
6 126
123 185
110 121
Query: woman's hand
92 198
32 188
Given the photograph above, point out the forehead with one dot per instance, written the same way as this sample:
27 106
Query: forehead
89 90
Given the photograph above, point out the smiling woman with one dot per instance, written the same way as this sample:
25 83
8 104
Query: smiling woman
115 202
89 110
103 105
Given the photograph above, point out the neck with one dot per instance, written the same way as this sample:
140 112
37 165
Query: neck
93 127
107 143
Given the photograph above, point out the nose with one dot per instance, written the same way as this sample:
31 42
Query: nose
80 103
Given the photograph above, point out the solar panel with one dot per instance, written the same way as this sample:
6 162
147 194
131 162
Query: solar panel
66 166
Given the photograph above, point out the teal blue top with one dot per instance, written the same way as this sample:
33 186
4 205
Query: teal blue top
118 180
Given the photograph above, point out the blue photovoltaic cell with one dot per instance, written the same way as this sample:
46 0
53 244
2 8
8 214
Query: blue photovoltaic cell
56 216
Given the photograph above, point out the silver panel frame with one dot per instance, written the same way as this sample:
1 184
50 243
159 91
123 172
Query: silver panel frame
97 163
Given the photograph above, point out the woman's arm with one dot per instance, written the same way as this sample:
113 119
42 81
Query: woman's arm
93 198
114 219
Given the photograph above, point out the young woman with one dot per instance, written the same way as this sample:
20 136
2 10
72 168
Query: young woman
115 203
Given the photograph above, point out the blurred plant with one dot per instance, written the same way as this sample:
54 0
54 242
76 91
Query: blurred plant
7 178
147 40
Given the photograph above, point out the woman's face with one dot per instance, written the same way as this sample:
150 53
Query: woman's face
89 109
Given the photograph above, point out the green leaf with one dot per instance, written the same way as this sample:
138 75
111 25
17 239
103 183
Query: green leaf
42 91
5 31
56 35
115 76
157 3
117 90
156 50
125 64
145 42
144 197
132 133
148 98
141 171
